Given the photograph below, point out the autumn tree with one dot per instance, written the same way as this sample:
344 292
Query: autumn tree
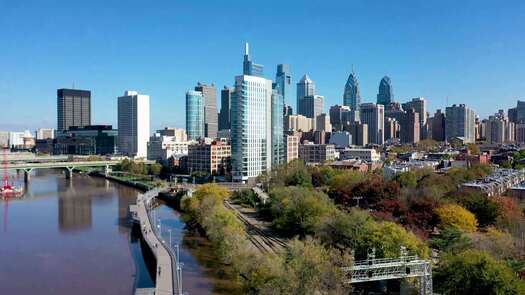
452 215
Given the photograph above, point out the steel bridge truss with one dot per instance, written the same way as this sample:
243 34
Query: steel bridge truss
402 267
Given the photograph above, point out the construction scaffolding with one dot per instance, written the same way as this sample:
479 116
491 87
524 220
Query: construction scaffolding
405 266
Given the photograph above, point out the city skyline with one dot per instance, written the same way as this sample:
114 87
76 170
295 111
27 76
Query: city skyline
466 59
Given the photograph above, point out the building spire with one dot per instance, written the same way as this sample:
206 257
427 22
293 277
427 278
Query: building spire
246 49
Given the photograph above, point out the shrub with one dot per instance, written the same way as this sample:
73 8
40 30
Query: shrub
455 216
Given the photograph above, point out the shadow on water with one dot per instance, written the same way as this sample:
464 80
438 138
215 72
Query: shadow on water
144 259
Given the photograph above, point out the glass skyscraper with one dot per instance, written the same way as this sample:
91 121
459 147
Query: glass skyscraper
351 96
283 79
251 127
194 115
305 87
385 94
278 149
250 68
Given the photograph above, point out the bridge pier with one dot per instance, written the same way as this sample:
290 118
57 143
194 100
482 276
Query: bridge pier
69 172
107 170
27 175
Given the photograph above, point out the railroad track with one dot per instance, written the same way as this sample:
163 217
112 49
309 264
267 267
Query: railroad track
260 238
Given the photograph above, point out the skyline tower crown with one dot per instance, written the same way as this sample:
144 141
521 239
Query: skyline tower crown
385 94
305 88
352 96
248 67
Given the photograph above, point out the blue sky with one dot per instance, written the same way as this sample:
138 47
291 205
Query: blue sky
469 51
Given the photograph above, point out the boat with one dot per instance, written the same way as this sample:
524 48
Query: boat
9 190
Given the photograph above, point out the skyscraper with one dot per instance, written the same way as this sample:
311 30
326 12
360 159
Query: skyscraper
312 106
224 115
351 96
194 115
305 87
374 115
459 122
438 126
133 124
251 127
278 146
209 93
336 116
283 80
409 127
419 104
385 94
73 108
248 67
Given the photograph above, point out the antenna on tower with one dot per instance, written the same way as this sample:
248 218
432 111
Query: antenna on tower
246 49
353 72
73 86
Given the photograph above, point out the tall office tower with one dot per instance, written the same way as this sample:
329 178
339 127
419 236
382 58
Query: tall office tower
517 114
358 131
287 110
459 122
248 67
298 123
251 130
283 80
409 127
73 108
374 116
336 116
351 96
133 124
391 128
312 106
385 94
394 110
419 104
323 123
278 146
209 93
194 115
305 87
520 133
513 114
438 126
499 129
224 115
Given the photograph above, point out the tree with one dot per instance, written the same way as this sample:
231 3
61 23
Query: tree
294 173
452 215
155 169
486 210
297 210
476 272
406 179
451 240
473 149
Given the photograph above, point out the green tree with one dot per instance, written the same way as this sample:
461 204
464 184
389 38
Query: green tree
476 272
407 179
451 240
486 209
297 210
155 169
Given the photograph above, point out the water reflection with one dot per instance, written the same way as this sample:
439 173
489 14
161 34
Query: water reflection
74 210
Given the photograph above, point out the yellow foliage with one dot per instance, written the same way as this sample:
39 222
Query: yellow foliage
452 215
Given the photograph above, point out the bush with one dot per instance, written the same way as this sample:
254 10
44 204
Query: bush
486 210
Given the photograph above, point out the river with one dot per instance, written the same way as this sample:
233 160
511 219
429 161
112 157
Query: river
75 237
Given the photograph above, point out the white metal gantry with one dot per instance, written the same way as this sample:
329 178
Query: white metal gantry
405 266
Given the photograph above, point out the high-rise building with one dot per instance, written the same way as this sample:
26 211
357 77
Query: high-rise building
298 123
336 116
392 128
351 96
209 93
438 126
312 106
195 115
359 132
248 67
520 111
409 127
322 123
385 94
224 115
520 133
374 115
133 124
499 129
513 114
251 127
278 148
283 80
73 108
287 110
419 104
305 87
459 122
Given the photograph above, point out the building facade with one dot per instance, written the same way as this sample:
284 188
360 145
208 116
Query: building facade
316 153
224 115
409 132
250 68
311 106
438 126
385 94
251 127
278 148
45 133
209 93
292 147
374 116
305 88
195 115
89 140
212 158
352 96
298 123
133 124
459 122
73 108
